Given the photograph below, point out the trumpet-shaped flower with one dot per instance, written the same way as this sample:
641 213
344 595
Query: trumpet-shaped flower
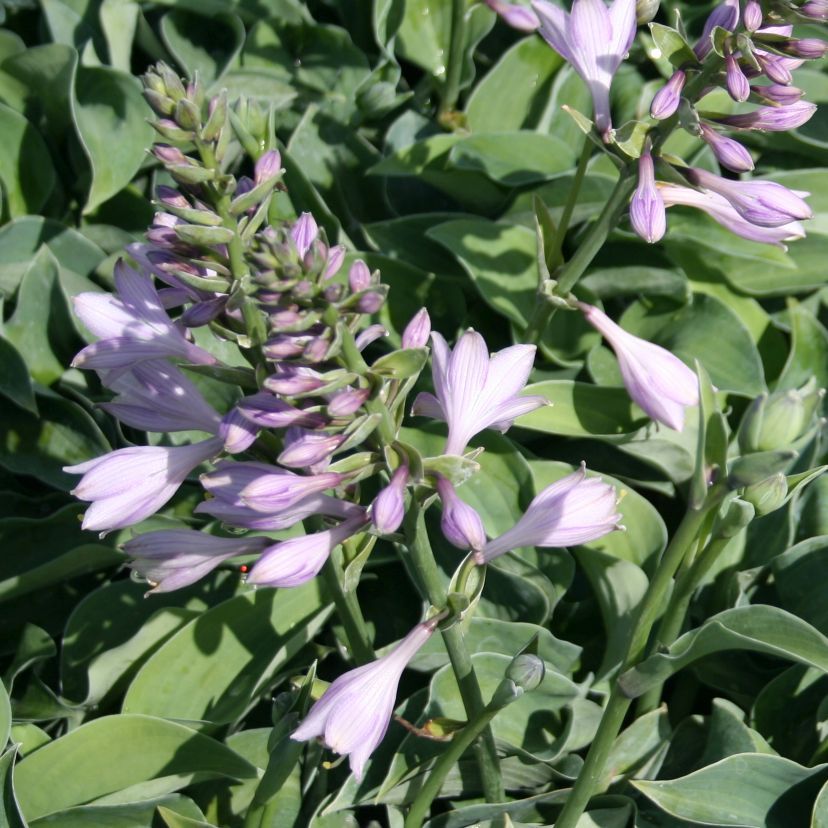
576 509
658 382
128 485
353 714
772 118
175 558
594 39
475 391
297 560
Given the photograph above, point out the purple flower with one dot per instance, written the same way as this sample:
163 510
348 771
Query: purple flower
347 401
777 93
417 331
647 213
371 334
133 326
666 100
175 558
297 560
269 166
720 209
475 391
333 261
815 9
576 509
156 396
772 118
808 48
239 515
388 508
304 233
359 277
660 383
290 380
518 17
753 16
594 39
278 489
268 411
737 84
305 449
729 153
353 715
765 203
460 523
128 485
237 431
725 16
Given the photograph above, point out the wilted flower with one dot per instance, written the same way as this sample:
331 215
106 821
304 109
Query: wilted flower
666 101
388 508
175 558
657 381
295 561
475 391
353 715
130 484
594 39
461 524
576 509
647 213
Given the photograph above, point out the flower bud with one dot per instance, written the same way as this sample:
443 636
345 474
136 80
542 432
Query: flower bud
417 331
269 166
370 301
333 261
187 115
518 17
729 153
736 516
526 671
388 508
170 197
169 155
666 100
347 401
737 84
359 277
647 212
809 48
460 523
645 11
304 233
767 495
815 9
778 93
777 421
752 17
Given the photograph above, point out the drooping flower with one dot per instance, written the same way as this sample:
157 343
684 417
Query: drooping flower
574 510
666 101
475 391
131 484
460 523
765 203
772 118
132 325
295 561
388 508
720 209
729 153
353 714
175 558
594 39
660 383
647 213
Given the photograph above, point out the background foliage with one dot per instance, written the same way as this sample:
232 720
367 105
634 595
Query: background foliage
131 712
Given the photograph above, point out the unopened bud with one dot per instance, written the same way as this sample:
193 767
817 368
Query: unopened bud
526 671
333 261
417 331
666 100
269 166
170 197
752 17
737 515
359 276
777 421
460 523
370 301
348 401
173 86
303 233
388 508
645 11
767 495
808 48
187 115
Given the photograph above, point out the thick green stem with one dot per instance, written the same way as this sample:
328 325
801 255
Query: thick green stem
457 46
592 774
673 619
434 591
350 614
555 255
457 747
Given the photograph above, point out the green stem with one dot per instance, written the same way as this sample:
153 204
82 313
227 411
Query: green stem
434 591
555 255
673 619
350 614
457 747
457 45
592 774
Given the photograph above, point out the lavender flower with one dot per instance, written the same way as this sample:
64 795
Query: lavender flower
359 276
175 558
243 517
128 485
647 212
765 203
297 560
461 524
753 15
594 39
388 508
475 391
729 153
574 510
660 383
417 331
815 9
133 326
347 401
353 715
269 166
278 489
304 233
777 93
724 16
720 209
737 84
304 449
666 101
237 431
518 17
772 118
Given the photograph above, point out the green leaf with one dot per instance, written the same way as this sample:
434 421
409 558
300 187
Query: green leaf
41 320
809 350
175 820
513 93
608 283
15 383
183 681
727 734
119 20
759 628
513 159
191 39
580 410
63 435
637 745
91 762
747 790
10 814
5 717
672 45
797 575
26 170
110 118
128 815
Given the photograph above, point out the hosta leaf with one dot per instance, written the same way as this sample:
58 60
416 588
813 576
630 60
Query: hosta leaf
191 39
9 807
26 169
